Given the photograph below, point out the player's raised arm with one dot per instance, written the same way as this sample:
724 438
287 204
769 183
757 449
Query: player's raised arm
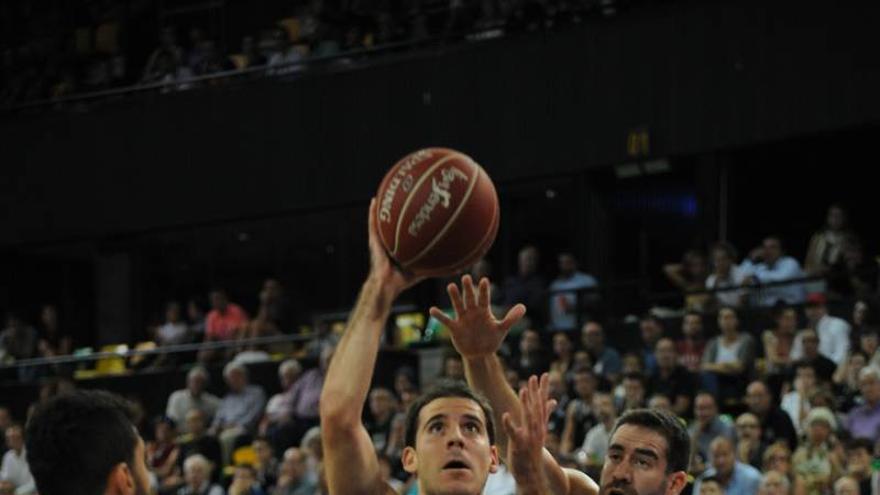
349 457
525 441
477 336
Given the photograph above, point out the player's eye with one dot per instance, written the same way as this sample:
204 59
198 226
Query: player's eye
435 427
472 427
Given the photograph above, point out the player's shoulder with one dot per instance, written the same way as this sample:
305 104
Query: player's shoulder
580 484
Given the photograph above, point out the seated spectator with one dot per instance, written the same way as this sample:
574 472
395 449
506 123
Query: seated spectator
796 403
607 360
833 332
195 319
779 341
775 483
728 359
194 396
776 425
777 458
863 314
819 460
239 410
825 367
279 408
689 276
661 403
692 345
163 452
173 332
726 278
749 446
650 330
859 457
223 323
595 444
273 300
165 59
563 354
711 486
869 344
293 477
267 464
854 276
383 409
527 286
707 425
532 360
197 441
386 470
864 421
18 340
244 481
634 393
405 381
569 298
735 477
558 392
53 341
847 380
768 265
672 379
304 396
846 485
579 414
197 473
453 366
826 246
15 475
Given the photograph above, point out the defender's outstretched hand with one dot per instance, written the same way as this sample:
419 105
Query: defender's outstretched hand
475 331
525 448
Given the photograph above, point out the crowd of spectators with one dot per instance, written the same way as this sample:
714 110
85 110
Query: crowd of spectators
786 403
54 50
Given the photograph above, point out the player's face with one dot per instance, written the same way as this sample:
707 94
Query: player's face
452 454
636 464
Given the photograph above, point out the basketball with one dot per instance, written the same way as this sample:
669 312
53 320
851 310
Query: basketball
437 212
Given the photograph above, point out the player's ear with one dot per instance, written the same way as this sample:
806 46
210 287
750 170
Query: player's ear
120 481
493 464
410 460
676 483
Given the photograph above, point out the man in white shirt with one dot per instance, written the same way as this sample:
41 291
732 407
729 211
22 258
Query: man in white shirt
193 396
768 265
565 299
15 475
596 442
833 332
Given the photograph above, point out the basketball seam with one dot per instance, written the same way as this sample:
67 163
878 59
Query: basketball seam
440 235
479 246
413 191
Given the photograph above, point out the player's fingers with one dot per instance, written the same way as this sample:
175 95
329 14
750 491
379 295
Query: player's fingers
455 299
470 296
512 317
544 386
483 295
441 317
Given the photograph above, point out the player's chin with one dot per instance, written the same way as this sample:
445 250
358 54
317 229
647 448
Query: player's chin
617 490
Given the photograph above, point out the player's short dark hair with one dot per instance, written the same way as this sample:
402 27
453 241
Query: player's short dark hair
75 440
442 389
678 443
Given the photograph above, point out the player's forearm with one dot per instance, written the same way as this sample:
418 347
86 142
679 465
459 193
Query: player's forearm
348 377
485 375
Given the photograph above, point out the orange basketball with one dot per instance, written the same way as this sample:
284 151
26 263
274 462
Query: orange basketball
437 212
